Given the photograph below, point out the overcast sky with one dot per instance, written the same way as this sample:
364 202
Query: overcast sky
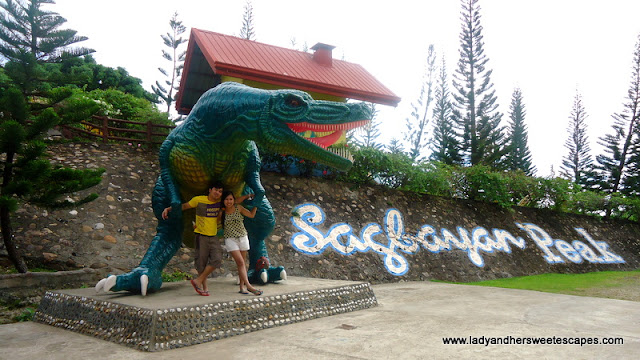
550 49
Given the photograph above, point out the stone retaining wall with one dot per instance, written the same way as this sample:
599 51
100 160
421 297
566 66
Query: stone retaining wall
329 230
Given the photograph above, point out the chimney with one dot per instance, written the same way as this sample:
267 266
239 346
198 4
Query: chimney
322 54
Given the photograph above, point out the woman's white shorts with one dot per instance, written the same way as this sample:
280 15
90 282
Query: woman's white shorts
239 243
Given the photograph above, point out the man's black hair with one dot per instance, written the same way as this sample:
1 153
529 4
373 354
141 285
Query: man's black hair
215 184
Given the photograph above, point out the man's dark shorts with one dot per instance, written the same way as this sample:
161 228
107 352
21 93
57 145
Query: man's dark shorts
208 252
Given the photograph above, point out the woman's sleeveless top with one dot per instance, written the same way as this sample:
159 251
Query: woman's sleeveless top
234 225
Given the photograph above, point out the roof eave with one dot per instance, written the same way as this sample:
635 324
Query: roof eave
301 84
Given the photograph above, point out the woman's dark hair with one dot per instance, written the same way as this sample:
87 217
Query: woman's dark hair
225 194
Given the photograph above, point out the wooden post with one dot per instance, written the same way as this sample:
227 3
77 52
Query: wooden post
105 129
149 127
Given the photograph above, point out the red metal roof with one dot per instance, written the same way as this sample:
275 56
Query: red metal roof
231 56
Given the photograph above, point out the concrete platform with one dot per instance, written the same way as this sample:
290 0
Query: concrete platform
176 316
410 322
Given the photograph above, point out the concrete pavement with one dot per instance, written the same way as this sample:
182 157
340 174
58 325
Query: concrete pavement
410 322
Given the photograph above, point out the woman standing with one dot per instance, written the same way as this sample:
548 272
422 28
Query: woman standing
236 240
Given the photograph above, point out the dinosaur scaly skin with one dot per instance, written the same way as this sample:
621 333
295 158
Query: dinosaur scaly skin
217 141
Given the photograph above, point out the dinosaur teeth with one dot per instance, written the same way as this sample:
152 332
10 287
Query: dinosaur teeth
342 152
315 141
304 126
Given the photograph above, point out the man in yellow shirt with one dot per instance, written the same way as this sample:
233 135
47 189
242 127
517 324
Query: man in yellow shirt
208 229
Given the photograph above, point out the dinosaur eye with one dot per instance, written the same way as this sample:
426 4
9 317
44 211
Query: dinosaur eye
292 101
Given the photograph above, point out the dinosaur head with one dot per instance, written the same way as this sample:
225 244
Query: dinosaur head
282 121
295 124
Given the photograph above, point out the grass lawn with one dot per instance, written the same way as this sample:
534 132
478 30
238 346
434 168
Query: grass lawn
611 284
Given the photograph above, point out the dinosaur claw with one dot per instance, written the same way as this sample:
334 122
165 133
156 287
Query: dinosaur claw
264 277
144 282
109 282
283 275
100 285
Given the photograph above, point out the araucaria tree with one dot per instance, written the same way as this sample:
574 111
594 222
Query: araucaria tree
577 164
417 123
246 32
617 164
371 132
518 155
31 36
172 40
475 102
29 107
395 146
444 144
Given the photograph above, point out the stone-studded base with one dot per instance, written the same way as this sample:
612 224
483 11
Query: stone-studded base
169 328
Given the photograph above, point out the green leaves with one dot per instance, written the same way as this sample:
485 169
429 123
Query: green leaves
12 134
31 29
172 41
13 106
61 181
7 202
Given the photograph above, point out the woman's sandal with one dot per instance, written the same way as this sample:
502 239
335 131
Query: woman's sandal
243 292
256 292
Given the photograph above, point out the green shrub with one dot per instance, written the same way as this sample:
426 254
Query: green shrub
432 178
175 276
587 202
481 183
26 315
625 207
367 166
557 194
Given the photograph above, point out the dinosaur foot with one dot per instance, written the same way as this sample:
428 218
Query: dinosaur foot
270 275
139 280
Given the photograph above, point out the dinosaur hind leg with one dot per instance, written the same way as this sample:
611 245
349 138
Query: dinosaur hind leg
148 275
258 229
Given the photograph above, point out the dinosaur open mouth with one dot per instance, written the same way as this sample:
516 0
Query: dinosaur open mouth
324 135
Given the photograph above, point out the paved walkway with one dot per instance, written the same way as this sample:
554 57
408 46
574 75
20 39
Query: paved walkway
410 323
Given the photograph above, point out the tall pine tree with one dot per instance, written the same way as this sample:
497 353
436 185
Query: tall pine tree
395 146
31 36
475 102
617 164
518 156
247 32
371 131
444 144
416 125
172 40
577 165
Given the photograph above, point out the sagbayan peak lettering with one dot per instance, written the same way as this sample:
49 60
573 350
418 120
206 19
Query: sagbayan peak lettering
394 241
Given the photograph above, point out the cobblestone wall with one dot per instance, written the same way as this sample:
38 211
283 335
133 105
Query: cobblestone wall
366 233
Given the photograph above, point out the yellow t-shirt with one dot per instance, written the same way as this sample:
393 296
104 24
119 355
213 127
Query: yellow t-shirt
208 215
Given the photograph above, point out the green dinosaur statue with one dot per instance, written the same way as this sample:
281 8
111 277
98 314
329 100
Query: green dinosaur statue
217 141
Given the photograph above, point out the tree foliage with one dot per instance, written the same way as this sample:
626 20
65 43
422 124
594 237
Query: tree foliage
29 106
395 146
29 31
577 165
444 144
247 32
518 155
416 125
371 131
475 102
84 73
172 40
31 36
618 166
